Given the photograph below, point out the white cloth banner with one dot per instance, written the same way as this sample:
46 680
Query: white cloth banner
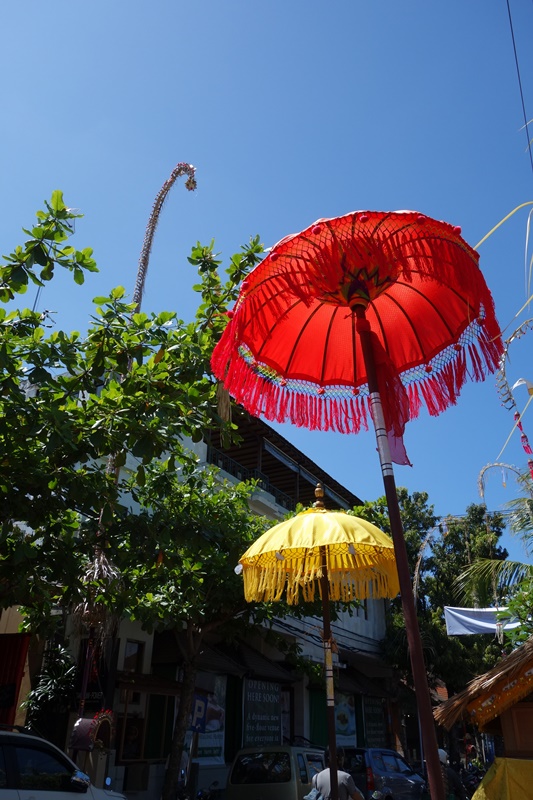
463 621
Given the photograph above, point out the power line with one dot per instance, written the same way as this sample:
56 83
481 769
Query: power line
520 85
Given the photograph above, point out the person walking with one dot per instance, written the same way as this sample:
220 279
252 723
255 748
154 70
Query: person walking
347 788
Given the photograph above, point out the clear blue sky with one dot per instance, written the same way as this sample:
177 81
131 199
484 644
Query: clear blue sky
290 111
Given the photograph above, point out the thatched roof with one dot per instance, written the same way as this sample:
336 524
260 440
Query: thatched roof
489 695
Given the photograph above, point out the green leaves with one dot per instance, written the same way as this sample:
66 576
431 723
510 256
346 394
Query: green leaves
92 425
217 296
44 249
56 203
182 549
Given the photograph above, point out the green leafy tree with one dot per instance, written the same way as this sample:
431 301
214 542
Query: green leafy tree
465 541
94 430
520 606
135 386
437 554
513 580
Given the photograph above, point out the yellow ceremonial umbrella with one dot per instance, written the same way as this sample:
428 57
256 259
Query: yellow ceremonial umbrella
344 556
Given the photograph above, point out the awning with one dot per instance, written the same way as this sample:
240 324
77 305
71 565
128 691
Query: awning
368 664
240 659
490 694
352 682
258 665
152 684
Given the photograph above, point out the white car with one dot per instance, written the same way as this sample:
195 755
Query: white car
34 769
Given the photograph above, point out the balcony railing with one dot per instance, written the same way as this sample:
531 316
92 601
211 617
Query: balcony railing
232 467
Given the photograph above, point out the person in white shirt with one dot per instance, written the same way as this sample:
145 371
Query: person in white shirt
347 788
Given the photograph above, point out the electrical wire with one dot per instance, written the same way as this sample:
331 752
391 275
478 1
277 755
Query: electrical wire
526 123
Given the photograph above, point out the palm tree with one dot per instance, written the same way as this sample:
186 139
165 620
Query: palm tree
505 576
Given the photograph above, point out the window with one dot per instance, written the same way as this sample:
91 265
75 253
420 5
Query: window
404 767
315 763
133 662
42 770
378 761
133 656
159 726
301 767
391 765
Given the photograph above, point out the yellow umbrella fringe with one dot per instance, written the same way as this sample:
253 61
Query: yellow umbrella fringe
345 585
360 560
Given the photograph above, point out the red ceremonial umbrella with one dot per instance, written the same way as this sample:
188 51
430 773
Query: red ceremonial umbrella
372 314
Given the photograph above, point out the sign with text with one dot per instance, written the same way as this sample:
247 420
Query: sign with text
375 729
261 713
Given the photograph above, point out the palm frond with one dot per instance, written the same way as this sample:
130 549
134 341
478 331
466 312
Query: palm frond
501 575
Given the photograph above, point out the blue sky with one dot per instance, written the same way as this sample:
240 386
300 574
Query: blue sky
290 111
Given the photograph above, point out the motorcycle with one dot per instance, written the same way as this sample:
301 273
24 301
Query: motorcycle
471 777
209 793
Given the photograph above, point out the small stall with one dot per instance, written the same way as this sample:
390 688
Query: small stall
500 702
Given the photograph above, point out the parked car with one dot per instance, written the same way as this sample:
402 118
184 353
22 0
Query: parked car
273 773
31 767
376 768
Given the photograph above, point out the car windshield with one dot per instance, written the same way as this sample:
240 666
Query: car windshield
272 767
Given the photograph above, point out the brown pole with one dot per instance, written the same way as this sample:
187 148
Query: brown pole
427 724
330 691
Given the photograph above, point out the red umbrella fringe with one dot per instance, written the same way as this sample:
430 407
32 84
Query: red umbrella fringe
437 386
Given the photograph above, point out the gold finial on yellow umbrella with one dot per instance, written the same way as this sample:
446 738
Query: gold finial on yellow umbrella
319 494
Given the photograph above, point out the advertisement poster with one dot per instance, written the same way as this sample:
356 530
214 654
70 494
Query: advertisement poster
345 719
261 713
210 749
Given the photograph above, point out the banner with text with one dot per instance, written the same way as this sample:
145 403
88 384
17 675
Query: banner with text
261 713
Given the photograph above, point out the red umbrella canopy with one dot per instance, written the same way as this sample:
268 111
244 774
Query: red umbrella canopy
291 350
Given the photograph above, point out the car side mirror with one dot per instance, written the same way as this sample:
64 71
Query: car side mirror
79 781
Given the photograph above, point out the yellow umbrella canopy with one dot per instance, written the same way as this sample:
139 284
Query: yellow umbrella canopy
357 558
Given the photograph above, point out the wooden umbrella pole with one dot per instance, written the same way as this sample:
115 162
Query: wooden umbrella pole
330 691
427 723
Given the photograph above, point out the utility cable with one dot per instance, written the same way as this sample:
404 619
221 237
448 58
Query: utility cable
526 123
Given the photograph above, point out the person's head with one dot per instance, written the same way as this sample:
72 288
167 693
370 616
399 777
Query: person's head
340 757
443 756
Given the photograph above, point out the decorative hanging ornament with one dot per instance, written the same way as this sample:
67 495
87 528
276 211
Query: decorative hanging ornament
523 438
